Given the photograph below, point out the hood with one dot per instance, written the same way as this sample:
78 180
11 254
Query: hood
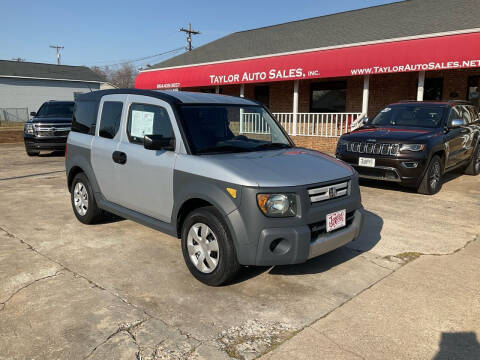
280 168
391 134
52 120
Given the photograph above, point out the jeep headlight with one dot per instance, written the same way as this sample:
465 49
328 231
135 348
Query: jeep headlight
412 147
28 128
277 205
343 143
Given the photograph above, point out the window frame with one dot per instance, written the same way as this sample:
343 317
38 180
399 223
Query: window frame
128 121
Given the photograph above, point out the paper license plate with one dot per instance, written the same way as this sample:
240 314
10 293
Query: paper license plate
336 220
368 162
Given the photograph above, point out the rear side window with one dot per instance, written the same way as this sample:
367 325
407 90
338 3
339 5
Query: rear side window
144 119
84 116
110 121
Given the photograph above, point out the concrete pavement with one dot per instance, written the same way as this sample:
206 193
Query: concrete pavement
121 290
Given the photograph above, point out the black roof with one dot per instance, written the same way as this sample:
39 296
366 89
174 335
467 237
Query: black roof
175 97
433 102
397 20
47 71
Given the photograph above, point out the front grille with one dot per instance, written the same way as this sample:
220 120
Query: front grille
320 227
378 173
329 191
373 148
51 130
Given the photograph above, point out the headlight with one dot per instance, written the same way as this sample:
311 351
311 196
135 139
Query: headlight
344 143
29 128
277 205
412 147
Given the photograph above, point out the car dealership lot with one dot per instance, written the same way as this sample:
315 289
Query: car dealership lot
120 289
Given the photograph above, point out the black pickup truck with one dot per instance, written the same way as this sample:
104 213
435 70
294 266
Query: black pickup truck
49 127
415 143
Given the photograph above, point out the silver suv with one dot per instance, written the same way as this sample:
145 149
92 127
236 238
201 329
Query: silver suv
216 171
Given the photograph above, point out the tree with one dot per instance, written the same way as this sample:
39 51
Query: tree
122 76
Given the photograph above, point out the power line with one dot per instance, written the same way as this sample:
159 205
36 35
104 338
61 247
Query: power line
144 58
189 33
58 48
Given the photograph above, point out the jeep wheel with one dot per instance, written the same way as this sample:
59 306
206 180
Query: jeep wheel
432 180
83 202
207 247
33 152
473 167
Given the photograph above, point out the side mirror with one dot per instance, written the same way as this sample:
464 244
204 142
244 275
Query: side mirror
455 123
366 120
33 113
158 142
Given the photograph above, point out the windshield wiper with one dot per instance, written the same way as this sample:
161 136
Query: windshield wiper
222 149
273 146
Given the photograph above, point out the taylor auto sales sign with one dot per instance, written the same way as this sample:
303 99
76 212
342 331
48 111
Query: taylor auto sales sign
426 54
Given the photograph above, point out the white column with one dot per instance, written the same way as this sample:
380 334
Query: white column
295 106
366 92
217 89
242 90
421 85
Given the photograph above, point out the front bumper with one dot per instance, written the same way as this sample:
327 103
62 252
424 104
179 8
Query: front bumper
44 143
389 168
264 241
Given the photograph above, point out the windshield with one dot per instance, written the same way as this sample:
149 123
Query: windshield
230 128
51 109
410 116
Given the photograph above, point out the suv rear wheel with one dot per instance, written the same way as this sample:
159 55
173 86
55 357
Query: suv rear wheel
473 167
432 180
207 247
83 201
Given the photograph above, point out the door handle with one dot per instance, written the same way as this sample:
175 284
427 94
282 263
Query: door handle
119 157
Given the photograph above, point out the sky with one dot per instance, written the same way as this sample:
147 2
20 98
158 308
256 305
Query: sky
101 32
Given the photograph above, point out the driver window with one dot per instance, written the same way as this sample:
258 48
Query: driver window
145 119
467 116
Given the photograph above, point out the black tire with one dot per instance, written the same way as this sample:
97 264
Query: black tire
434 170
227 266
33 152
473 167
93 214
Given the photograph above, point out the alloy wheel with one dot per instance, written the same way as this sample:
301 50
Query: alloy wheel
435 175
202 246
80 198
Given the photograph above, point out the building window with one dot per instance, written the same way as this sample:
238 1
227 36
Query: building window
433 89
328 97
262 94
473 91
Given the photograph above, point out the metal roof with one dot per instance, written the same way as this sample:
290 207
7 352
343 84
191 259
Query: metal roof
178 97
392 21
47 71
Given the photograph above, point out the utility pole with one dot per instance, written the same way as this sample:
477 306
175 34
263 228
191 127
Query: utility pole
58 48
189 33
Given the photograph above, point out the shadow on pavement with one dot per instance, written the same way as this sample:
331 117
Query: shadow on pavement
458 345
52 154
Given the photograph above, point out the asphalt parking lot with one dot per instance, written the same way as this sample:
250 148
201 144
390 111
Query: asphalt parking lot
121 290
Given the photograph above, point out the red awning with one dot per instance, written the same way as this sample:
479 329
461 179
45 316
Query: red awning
427 54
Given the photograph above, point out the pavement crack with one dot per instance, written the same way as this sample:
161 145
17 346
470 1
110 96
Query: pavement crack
341 347
94 284
4 303
127 328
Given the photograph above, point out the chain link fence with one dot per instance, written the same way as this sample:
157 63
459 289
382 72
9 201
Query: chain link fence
13 116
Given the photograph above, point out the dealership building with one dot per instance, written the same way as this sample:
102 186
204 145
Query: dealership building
321 76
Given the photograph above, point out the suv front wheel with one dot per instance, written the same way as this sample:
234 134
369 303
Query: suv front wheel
83 202
432 180
207 247
473 167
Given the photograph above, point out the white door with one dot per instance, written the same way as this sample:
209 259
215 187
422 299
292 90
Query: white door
111 111
145 180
